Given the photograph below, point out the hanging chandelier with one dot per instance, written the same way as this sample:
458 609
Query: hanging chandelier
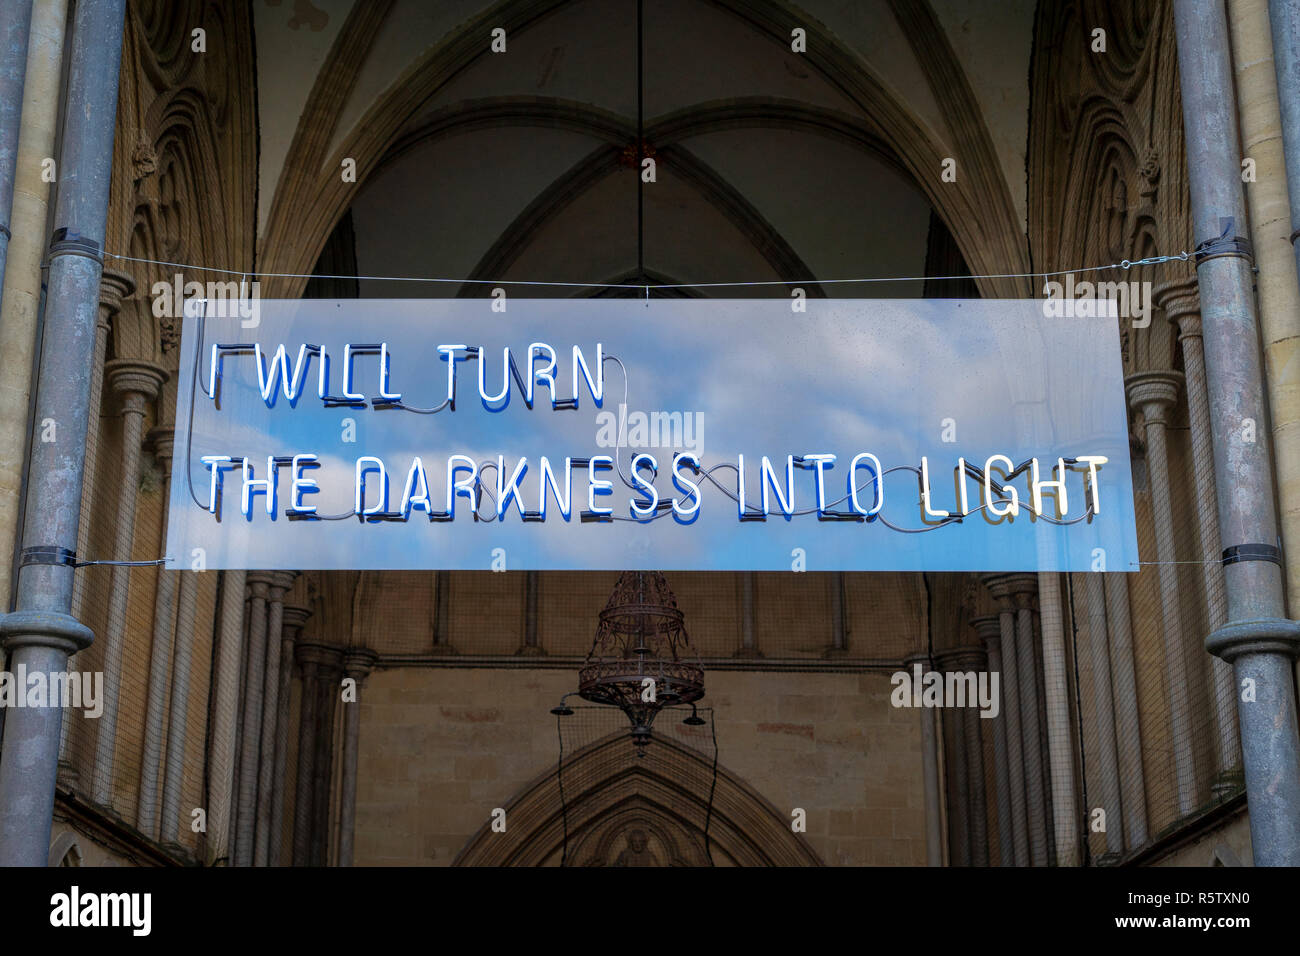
637 660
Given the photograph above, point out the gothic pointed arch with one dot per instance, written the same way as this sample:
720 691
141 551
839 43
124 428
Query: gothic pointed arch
311 196
618 810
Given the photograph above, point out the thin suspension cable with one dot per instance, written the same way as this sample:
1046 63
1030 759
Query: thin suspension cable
1124 264
640 147
245 275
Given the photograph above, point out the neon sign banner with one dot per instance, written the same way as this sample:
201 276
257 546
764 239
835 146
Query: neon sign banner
942 435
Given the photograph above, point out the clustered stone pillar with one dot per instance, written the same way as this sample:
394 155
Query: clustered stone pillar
1019 589
989 630
1154 394
357 665
1182 305
137 383
999 586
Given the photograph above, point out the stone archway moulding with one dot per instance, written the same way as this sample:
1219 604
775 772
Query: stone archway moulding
606 787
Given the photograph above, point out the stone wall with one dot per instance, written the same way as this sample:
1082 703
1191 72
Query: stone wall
442 747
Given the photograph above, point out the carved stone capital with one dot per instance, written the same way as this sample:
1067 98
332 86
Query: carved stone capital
1154 393
328 659
163 439
259 582
114 286
281 581
988 627
1011 591
921 658
1181 302
968 657
294 618
358 662
133 377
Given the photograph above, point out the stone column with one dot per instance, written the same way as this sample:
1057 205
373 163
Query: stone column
1064 818
330 686
1018 838
1154 394
114 287
442 613
259 583
839 626
225 708
1266 59
1014 593
294 618
1182 305
973 660
20 303
961 823
309 661
1127 720
989 630
178 709
160 658
1098 660
748 634
929 773
1030 724
280 581
356 666
530 647
137 383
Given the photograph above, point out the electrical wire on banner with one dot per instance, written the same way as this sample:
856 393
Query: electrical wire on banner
586 733
707 474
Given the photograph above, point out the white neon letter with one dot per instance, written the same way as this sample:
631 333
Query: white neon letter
580 365
536 375
646 486
879 497
301 485
364 464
